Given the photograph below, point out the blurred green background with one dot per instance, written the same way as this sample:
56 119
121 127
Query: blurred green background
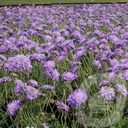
16 2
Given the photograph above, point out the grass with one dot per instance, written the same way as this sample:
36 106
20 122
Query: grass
16 2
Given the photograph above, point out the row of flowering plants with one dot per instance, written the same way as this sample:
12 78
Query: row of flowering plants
47 52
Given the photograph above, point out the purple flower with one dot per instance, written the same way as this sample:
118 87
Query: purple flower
69 76
77 34
89 23
3 49
48 87
52 73
113 62
61 105
99 33
111 76
60 39
5 79
39 57
77 98
125 74
18 63
19 87
55 74
80 52
24 61
60 58
75 69
107 92
2 57
33 83
13 106
31 92
49 64
122 89
97 64
103 84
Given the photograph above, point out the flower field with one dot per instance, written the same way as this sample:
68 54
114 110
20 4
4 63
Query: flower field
56 62
16 2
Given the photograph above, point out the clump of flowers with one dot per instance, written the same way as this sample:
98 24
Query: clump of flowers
18 63
50 71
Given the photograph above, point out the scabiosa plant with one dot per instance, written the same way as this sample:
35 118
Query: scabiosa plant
24 61
107 92
60 58
97 64
55 74
103 83
5 79
49 64
77 97
125 74
13 106
32 93
52 73
61 105
19 87
32 82
48 87
122 89
2 61
69 76
18 63
111 76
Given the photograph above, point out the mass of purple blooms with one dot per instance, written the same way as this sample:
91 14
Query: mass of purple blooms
55 48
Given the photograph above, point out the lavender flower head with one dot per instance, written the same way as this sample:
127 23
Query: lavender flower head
48 87
107 92
77 98
69 76
122 89
61 105
13 106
